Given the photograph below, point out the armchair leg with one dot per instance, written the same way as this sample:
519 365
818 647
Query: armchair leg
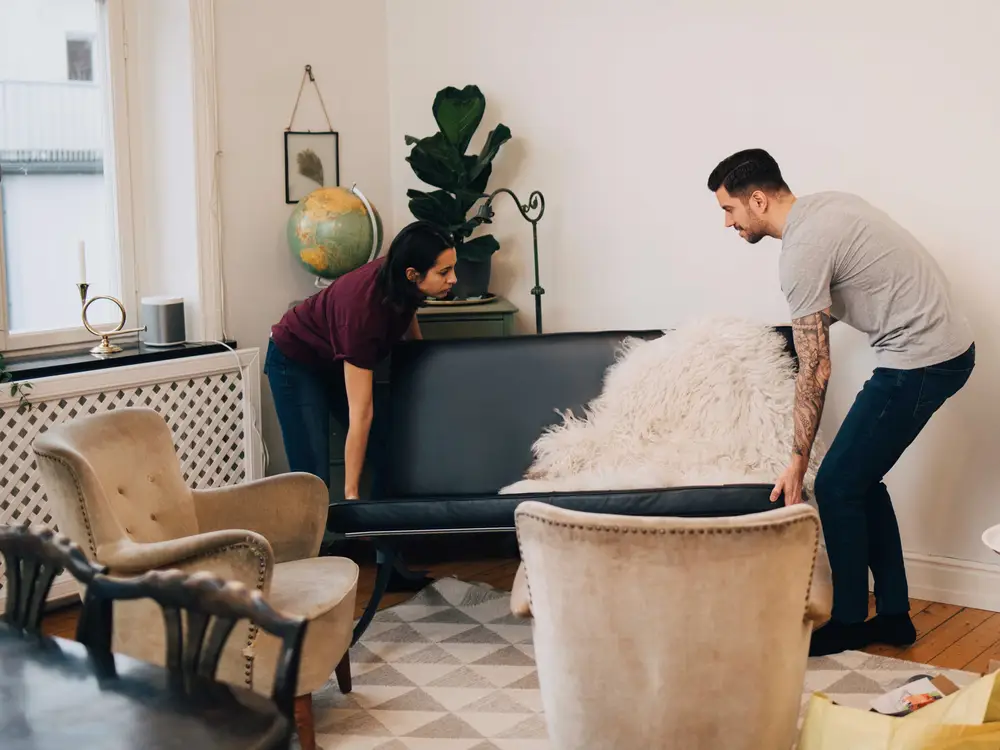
305 725
343 673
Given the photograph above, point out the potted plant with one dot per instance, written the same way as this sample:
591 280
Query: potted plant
440 161
17 388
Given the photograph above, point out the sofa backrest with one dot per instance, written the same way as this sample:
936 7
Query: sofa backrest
465 413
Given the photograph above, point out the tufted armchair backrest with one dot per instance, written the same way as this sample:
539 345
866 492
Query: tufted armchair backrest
115 476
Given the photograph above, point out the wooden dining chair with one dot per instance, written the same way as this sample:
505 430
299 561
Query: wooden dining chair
34 556
200 611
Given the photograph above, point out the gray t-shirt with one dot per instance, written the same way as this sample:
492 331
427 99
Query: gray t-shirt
839 251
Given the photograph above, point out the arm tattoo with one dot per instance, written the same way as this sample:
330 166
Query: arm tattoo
812 345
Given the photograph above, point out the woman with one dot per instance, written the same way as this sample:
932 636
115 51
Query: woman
323 352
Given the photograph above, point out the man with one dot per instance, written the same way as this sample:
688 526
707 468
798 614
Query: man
842 259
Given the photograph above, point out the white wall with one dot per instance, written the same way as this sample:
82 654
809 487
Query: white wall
262 48
619 111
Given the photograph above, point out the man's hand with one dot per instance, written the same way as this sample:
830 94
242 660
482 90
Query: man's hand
789 483
812 346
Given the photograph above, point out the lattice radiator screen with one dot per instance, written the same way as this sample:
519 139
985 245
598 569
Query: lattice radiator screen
209 402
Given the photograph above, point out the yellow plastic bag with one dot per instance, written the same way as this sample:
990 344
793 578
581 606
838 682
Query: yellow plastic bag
968 719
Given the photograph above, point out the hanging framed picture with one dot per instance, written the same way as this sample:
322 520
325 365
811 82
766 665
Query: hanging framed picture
312 160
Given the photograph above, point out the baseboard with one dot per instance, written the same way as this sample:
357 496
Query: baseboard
953 581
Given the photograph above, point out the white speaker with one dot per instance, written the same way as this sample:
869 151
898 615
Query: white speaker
164 321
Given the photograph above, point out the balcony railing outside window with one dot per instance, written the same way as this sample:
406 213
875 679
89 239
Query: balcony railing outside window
55 124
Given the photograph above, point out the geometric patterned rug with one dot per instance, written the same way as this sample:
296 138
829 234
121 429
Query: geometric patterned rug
452 669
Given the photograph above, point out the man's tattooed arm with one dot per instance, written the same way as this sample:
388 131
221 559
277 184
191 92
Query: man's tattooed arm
812 345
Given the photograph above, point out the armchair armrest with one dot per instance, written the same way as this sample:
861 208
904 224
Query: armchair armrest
234 554
820 604
289 510
520 603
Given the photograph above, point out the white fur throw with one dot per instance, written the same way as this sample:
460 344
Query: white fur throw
709 403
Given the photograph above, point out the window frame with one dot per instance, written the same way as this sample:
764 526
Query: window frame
112 36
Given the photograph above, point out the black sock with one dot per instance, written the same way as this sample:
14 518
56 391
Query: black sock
894 630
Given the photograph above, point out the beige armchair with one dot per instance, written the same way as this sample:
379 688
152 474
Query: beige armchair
670 632
114 486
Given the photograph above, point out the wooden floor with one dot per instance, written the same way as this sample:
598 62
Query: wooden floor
947 636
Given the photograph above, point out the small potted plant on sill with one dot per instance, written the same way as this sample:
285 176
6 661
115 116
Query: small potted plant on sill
17 388
440 161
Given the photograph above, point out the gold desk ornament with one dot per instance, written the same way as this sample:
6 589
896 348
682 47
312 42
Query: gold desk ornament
105 348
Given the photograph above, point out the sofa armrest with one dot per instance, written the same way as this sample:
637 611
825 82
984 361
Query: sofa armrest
520 602
237 554
289 510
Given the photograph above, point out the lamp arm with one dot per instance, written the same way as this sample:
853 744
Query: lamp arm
536 202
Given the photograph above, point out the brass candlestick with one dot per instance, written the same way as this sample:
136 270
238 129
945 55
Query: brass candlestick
105 348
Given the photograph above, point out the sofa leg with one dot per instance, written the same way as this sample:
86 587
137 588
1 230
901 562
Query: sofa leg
343 673
305 725
404 579
384 560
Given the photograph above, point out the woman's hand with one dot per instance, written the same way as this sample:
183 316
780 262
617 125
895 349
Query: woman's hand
359 401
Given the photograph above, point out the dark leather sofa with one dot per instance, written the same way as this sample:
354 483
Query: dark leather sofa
463 415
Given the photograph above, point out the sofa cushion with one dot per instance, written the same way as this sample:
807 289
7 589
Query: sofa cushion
496 512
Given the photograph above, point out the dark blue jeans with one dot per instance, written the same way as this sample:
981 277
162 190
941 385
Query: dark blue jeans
304 399
859 525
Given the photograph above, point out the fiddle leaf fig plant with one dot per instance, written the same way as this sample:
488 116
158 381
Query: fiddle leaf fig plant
441 161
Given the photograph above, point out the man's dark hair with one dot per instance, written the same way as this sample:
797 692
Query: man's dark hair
417 246
746 171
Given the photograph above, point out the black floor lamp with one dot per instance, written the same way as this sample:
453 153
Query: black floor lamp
536 202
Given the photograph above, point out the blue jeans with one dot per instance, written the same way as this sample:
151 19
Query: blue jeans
304 398
859 524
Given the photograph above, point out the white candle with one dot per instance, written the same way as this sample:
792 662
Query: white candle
83 262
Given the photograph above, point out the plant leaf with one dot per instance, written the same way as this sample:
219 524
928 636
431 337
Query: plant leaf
310 165
478 185
410 140
478 249
497 137
466 199
438 207
436 161
458 114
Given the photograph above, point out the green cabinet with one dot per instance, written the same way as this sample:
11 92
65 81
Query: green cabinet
483 320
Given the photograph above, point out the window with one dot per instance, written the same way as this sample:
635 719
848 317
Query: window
61 215
80 58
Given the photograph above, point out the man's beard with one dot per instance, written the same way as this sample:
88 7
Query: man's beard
750 236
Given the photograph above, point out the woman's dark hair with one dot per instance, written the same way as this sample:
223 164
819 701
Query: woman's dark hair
417 246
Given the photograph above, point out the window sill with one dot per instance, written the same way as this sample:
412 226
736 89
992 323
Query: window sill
133 353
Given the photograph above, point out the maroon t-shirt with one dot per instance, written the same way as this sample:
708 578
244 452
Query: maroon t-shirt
347 321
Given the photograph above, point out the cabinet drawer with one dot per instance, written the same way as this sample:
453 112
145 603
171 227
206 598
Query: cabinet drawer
462 329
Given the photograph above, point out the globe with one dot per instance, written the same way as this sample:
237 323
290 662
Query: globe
334 230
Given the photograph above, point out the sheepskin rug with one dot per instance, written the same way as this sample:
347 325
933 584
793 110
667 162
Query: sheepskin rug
708 403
